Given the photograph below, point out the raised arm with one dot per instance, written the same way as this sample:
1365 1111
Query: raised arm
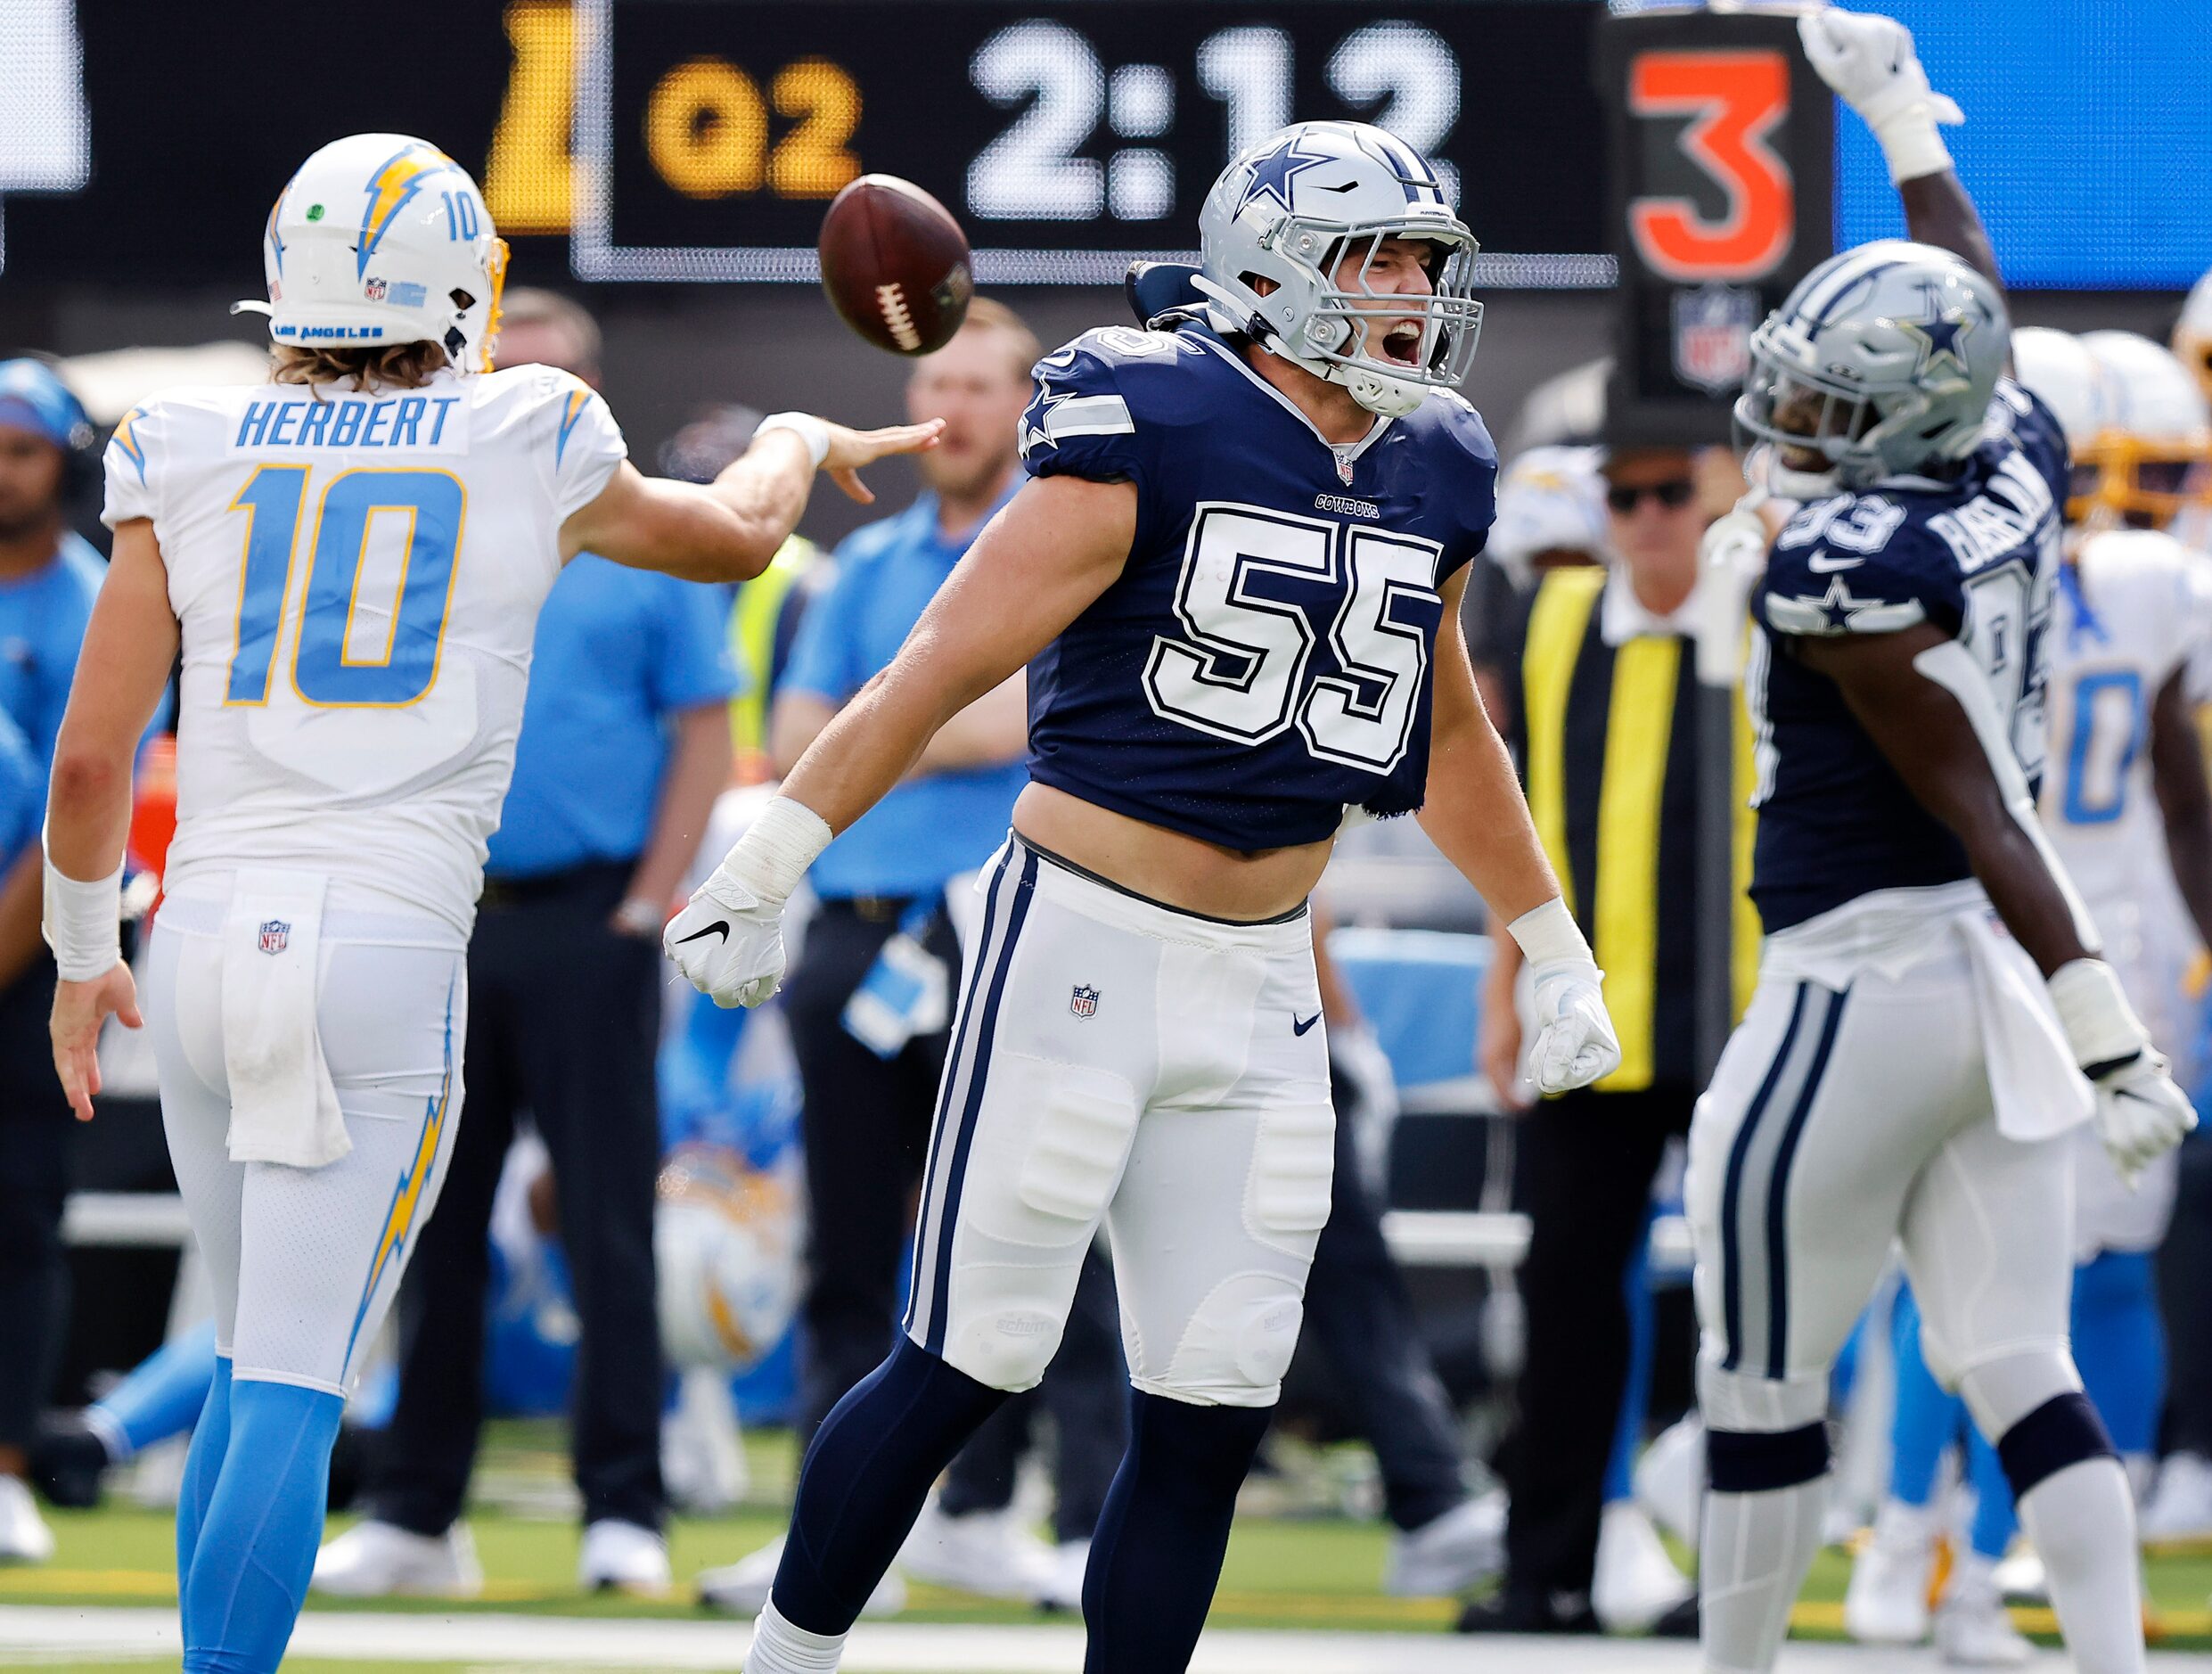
1870 63
1476 815
730 528
1058 545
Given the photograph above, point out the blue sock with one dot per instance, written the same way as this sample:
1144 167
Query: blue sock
1926 1421
257 1540
203 1463
162 1396
1156 1556
1995 1522
870 1467
2120 1345
1635 1394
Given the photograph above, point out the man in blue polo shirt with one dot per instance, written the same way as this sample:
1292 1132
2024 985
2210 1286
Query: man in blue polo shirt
48 578
624 745
869 997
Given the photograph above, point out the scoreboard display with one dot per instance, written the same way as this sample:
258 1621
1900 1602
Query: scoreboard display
1066 138
657 140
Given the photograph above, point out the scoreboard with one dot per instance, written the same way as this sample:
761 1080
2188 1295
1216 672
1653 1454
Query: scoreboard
140 144
1067 138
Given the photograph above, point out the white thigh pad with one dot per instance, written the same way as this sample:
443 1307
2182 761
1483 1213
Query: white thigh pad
1048 1150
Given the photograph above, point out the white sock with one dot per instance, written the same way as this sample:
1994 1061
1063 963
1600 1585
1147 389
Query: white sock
2083 1523
780 1648
1753 1555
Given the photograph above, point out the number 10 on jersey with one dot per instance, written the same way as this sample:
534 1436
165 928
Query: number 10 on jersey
330 670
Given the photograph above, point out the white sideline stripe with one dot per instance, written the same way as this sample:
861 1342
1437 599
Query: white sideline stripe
506 1642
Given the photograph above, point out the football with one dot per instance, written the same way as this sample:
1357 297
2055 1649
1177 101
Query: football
895 265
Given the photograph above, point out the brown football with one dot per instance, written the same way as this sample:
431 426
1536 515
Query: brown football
895 265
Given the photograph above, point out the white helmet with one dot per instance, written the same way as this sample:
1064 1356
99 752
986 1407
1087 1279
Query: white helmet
2193 334
2062 372
1549 499
2155 454
1289 211
380 240
725 1245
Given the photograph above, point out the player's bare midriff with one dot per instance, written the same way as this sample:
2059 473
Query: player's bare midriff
1169 867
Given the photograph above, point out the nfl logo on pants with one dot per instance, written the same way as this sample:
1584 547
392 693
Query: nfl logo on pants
276 936
1083 1002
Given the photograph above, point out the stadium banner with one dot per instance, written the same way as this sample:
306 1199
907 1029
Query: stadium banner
1722 165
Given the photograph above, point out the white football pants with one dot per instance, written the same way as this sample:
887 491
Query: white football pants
304 1262
1838 1122
1116 1060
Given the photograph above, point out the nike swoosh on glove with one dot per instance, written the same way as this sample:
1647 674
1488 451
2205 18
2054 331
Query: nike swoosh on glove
1575 1043
2141 1113
1871 64
728 943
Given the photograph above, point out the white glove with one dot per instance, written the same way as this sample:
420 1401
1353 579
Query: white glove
2139 1113
1575 1044
1870 63
728 941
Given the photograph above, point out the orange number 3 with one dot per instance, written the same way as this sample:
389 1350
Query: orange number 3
1734 100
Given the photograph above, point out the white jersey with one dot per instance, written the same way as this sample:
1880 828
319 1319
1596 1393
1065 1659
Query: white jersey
2135 608
358 580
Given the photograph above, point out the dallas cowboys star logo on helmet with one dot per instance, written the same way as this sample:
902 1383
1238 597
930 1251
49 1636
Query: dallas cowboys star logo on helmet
1272 173
1941 334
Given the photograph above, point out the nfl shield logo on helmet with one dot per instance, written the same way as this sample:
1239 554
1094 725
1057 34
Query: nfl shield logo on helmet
1713 326
276 936
1084 1001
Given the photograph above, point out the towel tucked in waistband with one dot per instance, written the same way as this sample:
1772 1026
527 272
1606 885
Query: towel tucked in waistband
283 1104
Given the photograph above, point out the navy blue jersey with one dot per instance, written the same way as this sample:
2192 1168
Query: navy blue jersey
1262 659
1977 556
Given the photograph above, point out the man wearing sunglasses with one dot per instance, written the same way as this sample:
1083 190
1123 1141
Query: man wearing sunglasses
1605 718
1607 733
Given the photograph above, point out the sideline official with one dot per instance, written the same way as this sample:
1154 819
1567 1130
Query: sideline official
624 745
1609 740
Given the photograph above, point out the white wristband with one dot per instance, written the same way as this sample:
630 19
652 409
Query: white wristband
2100 1026
1549 933
1913 144
813 431
774 852
83 925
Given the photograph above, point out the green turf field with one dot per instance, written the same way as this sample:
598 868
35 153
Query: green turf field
1284 1571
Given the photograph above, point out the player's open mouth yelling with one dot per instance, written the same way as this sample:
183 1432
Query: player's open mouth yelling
1401 343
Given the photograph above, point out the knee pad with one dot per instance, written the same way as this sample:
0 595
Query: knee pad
1744 1401
1007 1348
1234 1351
1762 1433
2064 1431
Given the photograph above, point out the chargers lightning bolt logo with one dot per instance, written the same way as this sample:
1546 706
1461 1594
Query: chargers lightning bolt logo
399 178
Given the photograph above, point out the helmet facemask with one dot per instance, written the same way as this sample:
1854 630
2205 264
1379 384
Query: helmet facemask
1389 348
2144 483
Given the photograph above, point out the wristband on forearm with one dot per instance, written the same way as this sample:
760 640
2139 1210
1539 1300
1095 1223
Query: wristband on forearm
813 431
83 923
1549 933
775 851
